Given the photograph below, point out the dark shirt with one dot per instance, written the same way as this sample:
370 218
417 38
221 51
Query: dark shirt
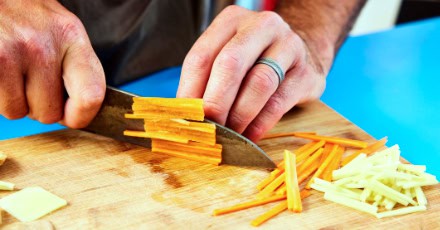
133 38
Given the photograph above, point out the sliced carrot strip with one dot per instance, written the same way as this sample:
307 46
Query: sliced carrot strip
323 165
155 135
315 156
275 135
190 147
274 174
271 213
291 181
276 210
334 140
368 150
249 204
190 156
333 165
302 176
327 149
270 188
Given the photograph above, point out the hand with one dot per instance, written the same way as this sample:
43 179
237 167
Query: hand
43 49
220 68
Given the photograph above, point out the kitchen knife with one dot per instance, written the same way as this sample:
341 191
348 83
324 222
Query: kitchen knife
110 122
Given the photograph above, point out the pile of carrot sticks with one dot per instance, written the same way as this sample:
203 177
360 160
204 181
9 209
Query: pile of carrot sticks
176 128
290 182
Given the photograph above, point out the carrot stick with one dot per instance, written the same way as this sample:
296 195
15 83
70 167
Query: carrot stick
249 204
334 164
302 176
271 213
323 165
281 190
275 135
276 210
315 156
334 140
291 181
327 149
368 150
270 188
302 153
274 174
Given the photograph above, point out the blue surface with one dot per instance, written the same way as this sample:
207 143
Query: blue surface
386 83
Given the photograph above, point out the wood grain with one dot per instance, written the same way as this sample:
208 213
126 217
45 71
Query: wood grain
114 185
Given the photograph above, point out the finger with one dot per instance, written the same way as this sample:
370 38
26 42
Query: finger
259 85
13 103
231 65
301 84
44 90
84 80
197 65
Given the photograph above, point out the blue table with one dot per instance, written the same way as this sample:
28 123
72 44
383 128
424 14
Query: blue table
386 83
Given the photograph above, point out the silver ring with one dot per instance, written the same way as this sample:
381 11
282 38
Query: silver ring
274 65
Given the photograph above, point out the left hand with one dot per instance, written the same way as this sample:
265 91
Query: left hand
220 68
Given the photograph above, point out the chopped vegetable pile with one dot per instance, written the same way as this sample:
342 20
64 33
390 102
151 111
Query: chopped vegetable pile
380 184
176 128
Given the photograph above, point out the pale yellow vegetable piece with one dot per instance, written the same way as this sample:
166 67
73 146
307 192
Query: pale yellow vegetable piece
6 186
31 203
358 205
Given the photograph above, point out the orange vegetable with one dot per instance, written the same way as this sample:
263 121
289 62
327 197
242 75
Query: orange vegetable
334 140
276 210
291 181
248 204
275 135
333 165
367 150
323 165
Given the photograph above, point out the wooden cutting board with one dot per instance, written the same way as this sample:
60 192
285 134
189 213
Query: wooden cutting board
115 185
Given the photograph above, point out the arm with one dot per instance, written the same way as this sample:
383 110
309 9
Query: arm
322 24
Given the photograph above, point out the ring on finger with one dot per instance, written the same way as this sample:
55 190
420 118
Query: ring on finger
274 65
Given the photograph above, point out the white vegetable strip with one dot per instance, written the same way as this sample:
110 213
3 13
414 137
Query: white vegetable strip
6 185
421 198
358 205
390 193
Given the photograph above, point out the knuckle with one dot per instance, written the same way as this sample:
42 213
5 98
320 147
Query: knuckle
51 118
275 107
240 118
214 107
270 18
231 10
197 60
91 98
263 80
230 61
72 29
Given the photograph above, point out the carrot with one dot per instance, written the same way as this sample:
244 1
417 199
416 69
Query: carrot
291 181
310 160
327 149
302 153
249 204
302 176
367 150
274 174
271 213
276 210
334 164
334 140
276 135
191 147
270 188
323 165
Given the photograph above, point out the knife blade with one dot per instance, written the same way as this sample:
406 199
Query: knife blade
110 122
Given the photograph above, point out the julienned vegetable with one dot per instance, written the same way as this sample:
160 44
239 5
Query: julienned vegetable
380 185
175 128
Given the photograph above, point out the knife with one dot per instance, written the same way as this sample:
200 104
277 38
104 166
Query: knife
110 122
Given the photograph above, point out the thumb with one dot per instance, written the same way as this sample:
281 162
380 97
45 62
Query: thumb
84 81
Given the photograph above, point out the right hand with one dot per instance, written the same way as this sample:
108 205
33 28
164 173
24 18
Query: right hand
43 49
